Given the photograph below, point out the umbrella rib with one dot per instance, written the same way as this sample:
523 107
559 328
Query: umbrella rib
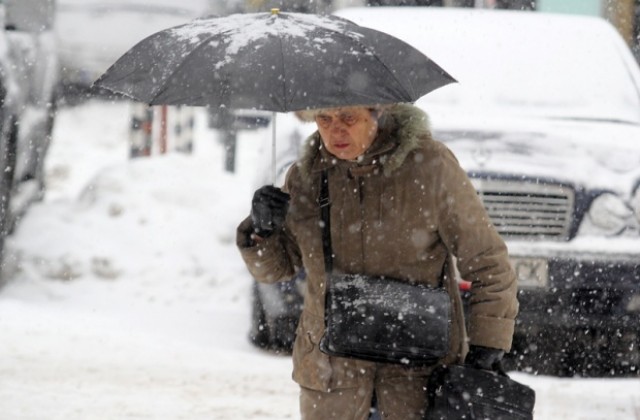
284 79
370 51
184 61
411 90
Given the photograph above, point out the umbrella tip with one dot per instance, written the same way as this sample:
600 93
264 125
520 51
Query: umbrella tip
275 11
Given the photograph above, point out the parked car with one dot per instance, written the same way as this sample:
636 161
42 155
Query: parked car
28 89
93 34
546 120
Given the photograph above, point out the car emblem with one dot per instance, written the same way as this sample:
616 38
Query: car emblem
481 155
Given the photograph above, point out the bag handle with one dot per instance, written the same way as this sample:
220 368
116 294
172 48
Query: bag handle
325 216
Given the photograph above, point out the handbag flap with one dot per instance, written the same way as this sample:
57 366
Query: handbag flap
384 319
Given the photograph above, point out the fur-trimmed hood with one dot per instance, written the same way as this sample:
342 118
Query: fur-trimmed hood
403 128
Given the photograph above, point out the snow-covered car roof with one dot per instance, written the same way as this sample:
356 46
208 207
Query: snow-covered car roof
519 63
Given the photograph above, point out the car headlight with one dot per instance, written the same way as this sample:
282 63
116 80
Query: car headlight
608 215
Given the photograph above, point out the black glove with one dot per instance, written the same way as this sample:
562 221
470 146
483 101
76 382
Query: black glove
485 358
268 210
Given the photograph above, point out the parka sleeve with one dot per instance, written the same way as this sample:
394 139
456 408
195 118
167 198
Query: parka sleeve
276 258
481 254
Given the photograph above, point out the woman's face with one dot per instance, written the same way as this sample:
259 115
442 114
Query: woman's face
347 132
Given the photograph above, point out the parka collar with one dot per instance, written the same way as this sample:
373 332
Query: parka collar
403 129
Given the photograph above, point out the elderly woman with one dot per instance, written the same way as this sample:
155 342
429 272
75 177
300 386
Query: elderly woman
401 207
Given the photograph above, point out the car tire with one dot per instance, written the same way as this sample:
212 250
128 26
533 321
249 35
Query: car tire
259 333
277 334
285 334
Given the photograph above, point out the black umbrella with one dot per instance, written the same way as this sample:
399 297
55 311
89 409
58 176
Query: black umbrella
273 61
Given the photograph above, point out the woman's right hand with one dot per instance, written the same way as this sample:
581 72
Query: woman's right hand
268 210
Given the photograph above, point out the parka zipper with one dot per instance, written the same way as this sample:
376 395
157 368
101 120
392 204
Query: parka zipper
361 194
362 221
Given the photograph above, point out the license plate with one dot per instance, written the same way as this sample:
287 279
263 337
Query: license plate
531 272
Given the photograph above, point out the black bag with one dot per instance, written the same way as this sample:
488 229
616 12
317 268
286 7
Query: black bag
385 320
379 318
464 392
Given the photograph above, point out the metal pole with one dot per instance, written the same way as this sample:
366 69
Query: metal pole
228 135
230 147
140 131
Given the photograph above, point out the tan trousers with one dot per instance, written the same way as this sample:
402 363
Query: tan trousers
400 397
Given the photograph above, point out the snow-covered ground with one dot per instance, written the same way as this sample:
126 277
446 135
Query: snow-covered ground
124 296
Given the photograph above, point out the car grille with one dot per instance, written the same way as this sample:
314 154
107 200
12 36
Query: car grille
527 209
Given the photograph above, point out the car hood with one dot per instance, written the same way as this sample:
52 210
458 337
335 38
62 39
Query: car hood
587 154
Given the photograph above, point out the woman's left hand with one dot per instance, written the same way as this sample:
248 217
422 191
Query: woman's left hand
485 358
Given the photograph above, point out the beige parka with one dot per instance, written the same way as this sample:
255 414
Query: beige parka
403 210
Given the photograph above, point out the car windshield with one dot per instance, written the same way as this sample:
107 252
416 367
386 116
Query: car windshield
557 67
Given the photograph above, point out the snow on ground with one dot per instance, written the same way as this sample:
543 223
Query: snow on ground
124 296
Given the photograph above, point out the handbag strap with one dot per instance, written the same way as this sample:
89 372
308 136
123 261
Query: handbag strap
325 216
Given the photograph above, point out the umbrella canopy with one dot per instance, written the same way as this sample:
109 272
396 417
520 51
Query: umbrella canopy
273 61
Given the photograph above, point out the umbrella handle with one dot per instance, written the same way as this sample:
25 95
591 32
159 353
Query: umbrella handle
273 149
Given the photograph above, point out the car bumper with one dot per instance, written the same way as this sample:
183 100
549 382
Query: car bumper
579 307
583 285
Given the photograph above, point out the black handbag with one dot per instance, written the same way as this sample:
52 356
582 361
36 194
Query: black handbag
381 319
464 392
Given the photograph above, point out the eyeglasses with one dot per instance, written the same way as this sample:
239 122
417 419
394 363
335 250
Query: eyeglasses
348 118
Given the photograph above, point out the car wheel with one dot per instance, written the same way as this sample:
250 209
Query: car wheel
285 334
259 333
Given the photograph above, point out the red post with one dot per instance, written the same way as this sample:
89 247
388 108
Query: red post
163 129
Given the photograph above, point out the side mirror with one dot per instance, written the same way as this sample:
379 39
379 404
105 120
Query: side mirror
29 15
